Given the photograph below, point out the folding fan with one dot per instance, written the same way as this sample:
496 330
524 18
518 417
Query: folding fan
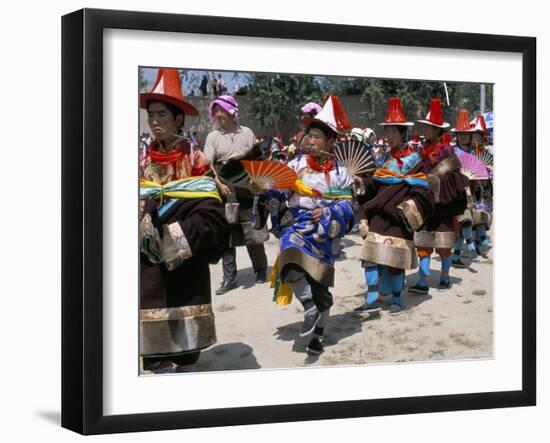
472 167
355 156
266 174
486 157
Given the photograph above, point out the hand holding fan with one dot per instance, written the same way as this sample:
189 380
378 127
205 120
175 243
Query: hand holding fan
266 175
355 156
472 167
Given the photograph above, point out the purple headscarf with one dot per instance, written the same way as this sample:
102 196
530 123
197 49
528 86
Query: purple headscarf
311 108
227 103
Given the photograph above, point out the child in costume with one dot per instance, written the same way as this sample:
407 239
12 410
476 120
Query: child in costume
449 188
310 220
396 201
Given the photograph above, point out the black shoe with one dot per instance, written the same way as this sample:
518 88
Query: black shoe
315 346
458 263
226 286
311 318
261 277
419 289
395 309
445 284
369 308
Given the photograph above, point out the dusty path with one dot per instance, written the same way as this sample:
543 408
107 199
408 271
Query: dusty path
255 333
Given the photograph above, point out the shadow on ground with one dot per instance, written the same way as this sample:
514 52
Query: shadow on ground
227 357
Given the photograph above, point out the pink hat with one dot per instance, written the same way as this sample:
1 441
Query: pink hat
227 103
311 108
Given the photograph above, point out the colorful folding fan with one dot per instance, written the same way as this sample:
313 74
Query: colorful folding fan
355 156
472 167
486 157
266 174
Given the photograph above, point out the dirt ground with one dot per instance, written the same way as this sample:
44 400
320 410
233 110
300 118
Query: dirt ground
255 333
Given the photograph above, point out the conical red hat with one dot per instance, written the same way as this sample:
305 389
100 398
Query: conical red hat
332 115
478 125
435 115
395 115
167 88
462 122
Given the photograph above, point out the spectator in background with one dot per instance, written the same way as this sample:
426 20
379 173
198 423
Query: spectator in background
225 147
204 85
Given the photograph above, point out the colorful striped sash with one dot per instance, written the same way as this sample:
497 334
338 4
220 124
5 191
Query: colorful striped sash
391 177
189 187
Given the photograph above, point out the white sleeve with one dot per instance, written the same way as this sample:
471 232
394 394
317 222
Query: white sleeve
210 148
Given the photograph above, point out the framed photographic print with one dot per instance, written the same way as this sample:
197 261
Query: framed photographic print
270 221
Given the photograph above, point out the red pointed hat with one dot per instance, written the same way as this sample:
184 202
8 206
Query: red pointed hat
478 125
167 88
395 115
435 115
462 122
332 115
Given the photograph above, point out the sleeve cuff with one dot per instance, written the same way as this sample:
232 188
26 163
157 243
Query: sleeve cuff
410 214
363 228
149 240
175 247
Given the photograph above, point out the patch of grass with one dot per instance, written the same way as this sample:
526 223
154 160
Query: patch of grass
399 338
479 292
410 348
467 302
437 353
441 344
461 339
437 323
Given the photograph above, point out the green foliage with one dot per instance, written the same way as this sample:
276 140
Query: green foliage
276 99
415 96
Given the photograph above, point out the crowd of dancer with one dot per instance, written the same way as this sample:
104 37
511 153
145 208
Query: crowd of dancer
197 205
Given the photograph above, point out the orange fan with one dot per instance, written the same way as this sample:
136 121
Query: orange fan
266 174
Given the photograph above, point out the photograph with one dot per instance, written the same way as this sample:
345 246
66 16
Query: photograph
292 220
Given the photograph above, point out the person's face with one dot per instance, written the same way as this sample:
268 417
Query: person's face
162 122
464 139
431 133
317 142
224 119
477 139
394 137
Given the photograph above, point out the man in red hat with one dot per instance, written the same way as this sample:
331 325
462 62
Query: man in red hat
225 147
182 229
396 201
449 188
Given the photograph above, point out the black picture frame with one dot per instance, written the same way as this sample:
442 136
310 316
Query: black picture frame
82 218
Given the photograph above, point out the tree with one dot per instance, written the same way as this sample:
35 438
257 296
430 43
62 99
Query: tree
276 99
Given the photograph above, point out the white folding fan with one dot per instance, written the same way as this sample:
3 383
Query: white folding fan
355 156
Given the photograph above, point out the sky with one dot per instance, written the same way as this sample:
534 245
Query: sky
150 75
